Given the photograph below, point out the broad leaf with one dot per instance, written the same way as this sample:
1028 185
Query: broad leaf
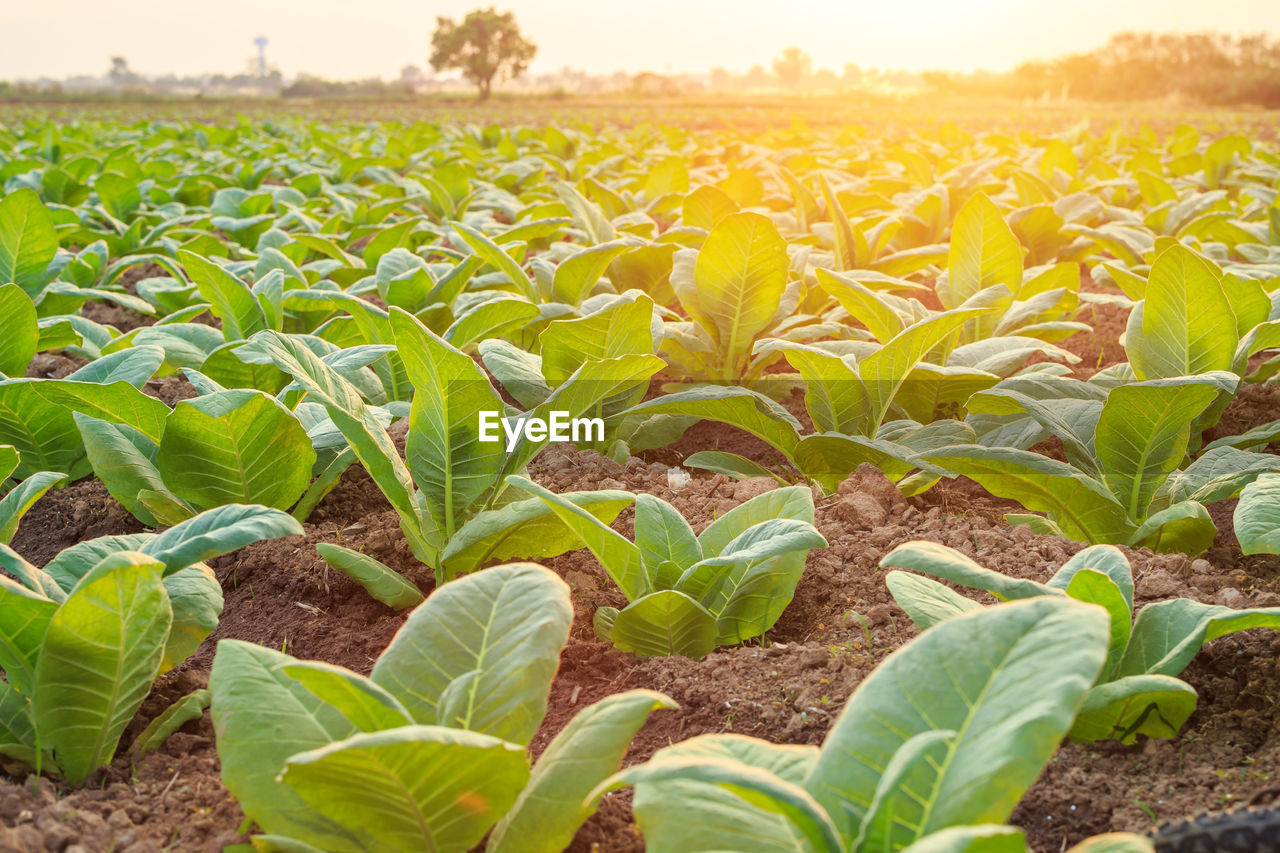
100 654
667 622
235 447
551 807
1152 705
380 581
480 652
28 241
417 787
1009 708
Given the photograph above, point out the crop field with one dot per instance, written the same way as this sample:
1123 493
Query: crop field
539 478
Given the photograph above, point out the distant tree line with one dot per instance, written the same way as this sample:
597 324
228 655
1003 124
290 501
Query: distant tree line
1209 68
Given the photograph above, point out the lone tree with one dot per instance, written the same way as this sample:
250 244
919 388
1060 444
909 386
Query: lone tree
485 45
792 66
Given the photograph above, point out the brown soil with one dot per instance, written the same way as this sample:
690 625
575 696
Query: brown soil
1253 406
111 314
788 688
170 389
52 365
65 516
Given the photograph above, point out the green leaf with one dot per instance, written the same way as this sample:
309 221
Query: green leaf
480 652
492 318
28 241
357 421
667 622
747 585
929 746
525 529
1185 325
1257 516
592 388
662 535
1039 525
230 300
100 654
867 306
729 464
235 447
118 194
1142 435
1115 842
124 460
184 710
950 565
196 599
846 244
831 458
835 396
118 402
980 838
218 531
620 557
733 405
383 583
364 703
22 332
415 787
984 252
622 329
263 717
326 479
1185 527
1072 419
451 466
1106 559
926 601
695 802
223 367
885 370
1168 634
495 256
586 214
17 731
1095 587
1152 705
706 207
739 277
519 372
24 619
679 811
578 274
21 498
1218 474
1083 507
553 805
1047 648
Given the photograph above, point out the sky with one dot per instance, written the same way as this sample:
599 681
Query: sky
347 39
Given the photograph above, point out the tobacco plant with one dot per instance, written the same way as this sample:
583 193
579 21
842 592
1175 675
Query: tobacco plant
1137 691
1125 479
436 735
848 394
691 593
21 496
610 327
450 489
86 635
934 748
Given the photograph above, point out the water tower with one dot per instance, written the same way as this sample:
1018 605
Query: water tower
261 43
